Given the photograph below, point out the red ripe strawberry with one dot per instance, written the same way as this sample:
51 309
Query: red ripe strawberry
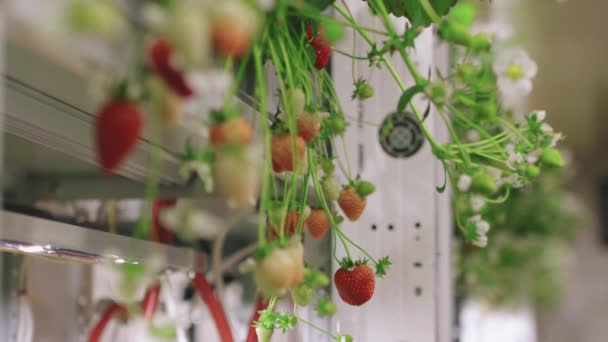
309 125
117 129
318 223
235 131
352 203
282 152
321 45
355 286
159 54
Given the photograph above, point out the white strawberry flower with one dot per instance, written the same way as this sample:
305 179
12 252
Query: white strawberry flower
481 241
514 156
201 169
540 115
556 138
496 30
482 228
190 222
514 70
546 128
477 202
464 183
532 157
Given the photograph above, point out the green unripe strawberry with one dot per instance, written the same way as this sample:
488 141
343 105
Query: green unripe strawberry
325 307
480 42
454 33
302 295
328 167
363 90
321 279
365 188
336 124
333 31
486 109
331 188
467 71
551 157
463 14
484 183
264 334
531 171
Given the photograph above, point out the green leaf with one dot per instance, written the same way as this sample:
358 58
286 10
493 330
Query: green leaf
382 265
414 12
407 96
320 4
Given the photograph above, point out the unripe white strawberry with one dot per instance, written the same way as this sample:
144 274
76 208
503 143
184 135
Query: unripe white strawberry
237 175
331 188
189 30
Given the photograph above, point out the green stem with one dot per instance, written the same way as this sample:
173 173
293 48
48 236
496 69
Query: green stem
417 77
463 152
344 53
312 164
335 337
514 130
304 200
430 11
261 90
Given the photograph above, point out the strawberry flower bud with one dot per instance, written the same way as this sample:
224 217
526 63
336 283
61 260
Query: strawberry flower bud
484 183
552 158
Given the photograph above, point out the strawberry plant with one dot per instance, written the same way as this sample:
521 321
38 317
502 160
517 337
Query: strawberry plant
187 64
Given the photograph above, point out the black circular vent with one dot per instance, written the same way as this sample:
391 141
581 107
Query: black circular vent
400 135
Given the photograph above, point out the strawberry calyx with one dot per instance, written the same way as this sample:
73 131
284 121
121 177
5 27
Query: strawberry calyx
382 265
362 90
219 116
363 188
348 263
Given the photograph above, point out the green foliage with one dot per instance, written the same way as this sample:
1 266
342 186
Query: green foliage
276 320
527 247
414 12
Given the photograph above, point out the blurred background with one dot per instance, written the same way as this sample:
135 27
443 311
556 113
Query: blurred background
557 295
568 41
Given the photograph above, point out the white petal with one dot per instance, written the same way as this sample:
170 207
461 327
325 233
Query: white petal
546 128
481 241
540 115
477 202
482 227
464 183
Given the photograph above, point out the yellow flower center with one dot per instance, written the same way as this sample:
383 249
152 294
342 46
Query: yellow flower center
514 71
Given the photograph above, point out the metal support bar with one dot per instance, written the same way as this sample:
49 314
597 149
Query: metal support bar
65 242
72 187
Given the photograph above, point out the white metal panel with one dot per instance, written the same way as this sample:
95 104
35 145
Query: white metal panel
412 302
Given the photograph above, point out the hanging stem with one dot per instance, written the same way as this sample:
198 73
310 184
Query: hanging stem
430 11
261 90
312 164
